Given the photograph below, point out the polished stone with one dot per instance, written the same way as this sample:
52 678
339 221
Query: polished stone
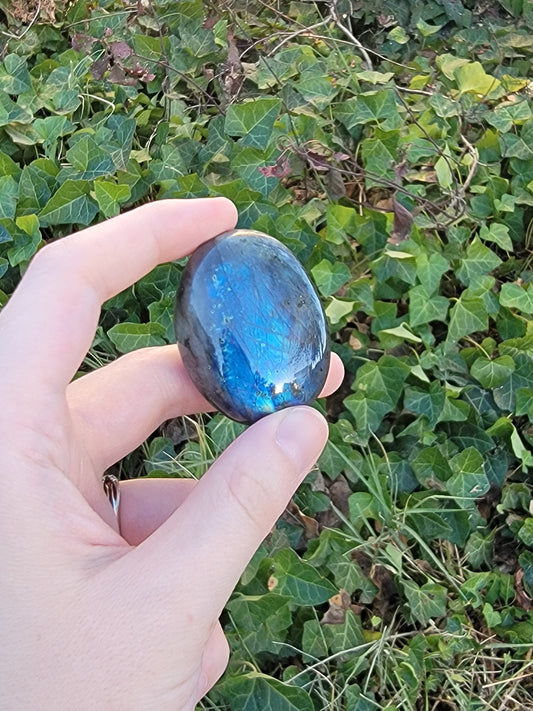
250 327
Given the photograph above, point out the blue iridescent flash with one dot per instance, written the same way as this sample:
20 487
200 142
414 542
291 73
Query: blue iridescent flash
250 326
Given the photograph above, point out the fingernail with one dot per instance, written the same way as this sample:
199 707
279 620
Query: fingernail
302 434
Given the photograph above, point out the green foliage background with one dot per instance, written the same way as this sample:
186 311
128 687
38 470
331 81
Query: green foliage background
390 146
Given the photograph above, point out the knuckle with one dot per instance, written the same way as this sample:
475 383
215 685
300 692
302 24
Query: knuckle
49 258
248 491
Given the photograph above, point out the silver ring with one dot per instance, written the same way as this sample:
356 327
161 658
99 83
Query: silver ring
111 486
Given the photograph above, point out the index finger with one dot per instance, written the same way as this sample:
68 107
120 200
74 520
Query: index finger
49 323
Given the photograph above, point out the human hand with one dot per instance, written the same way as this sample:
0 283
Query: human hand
92 618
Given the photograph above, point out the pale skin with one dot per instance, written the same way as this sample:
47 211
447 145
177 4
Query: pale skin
90 617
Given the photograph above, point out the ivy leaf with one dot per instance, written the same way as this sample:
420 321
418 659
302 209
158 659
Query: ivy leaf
26 237
377 390
525 534
253 121
491 373
514 146
8 166
425 307
37 182
9 191
10 112
15 78
162 312
251 164
329 277
467 316
443 171
70 204
381 152
110 196
346 635
498 233
298 580
504 117
130 336
123 131
259 692
431 467
338 309
318 90
515 296
429 270
472 78
469 481
263 620
521 377
89 159
479 260
426 602
51 129
375 107
429 403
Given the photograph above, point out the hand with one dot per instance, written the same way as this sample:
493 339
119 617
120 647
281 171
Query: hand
90 618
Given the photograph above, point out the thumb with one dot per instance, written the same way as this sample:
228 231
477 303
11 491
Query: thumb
234 506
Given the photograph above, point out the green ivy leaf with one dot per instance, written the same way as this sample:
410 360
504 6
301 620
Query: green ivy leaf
70 204
263 620
467 316
525 534
521 377
50 129
123 130
498 233
426 602
425 307
36 185
247 164
472 78
15 78
259 692
429 403
469 481
130 336
253 121
300 581
479 260
110 196
348 634
377 388
431 467
515 296
513 146
329 277
9 191
89 159
318 90
504 117
374 107
26 237
491 373
381 152
11 113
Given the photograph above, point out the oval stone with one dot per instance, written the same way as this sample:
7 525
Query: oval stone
250 326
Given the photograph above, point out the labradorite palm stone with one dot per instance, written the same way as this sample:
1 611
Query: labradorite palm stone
250 327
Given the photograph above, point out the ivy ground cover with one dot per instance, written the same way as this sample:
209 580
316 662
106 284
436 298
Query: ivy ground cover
390 146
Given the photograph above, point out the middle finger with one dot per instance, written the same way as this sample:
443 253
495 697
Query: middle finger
117 407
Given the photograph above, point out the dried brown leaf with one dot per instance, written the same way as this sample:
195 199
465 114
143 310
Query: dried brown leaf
403 222
336 613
